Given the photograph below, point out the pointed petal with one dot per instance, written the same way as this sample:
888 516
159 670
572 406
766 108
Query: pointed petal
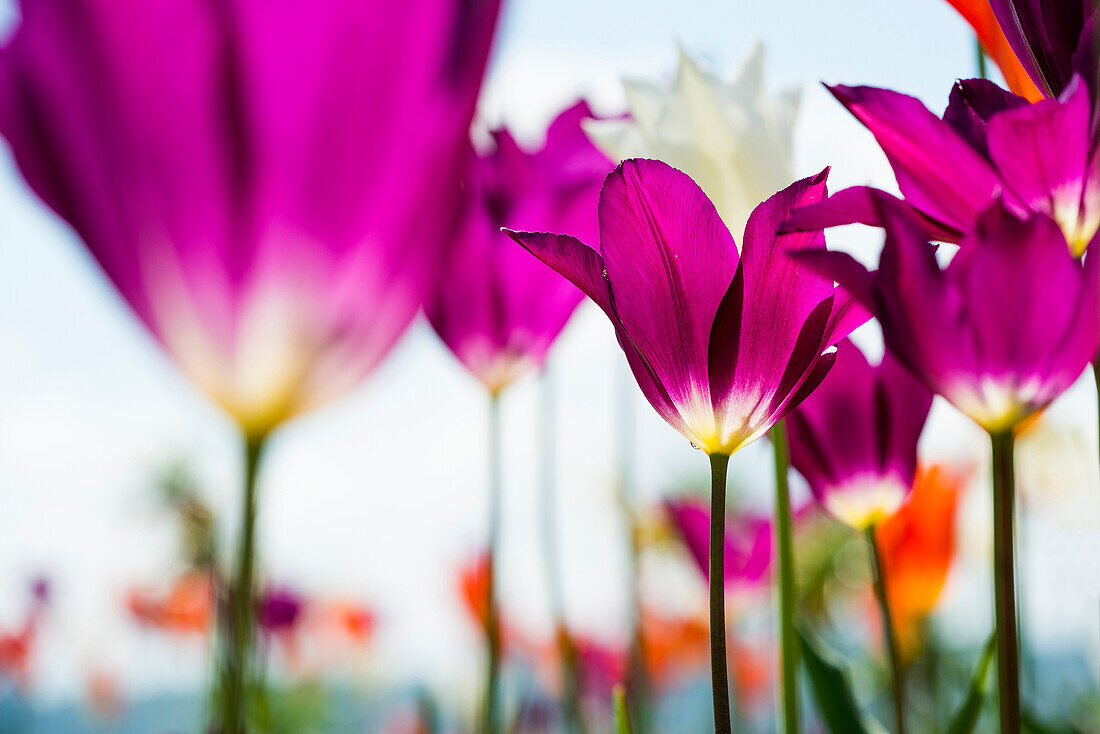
937 170
856 205
669 259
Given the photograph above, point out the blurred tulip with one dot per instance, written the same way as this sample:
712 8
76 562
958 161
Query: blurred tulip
731 137
279 610
990 146
722 345
855 438
918 546
979 14
497 308
253 177
187 608
748 541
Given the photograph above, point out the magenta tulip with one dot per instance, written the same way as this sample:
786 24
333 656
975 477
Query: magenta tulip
748 548
723 344
253 177
497 308
855 438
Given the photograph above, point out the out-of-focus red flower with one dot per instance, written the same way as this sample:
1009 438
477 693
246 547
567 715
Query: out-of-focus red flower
187 608
356 622
15 653
473 586
917 546
979 14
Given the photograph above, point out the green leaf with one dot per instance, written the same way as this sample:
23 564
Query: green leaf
971 710
832 690
622 716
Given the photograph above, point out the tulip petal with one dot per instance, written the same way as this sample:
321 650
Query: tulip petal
937 170
1044 36
1044 154
669 259
971 105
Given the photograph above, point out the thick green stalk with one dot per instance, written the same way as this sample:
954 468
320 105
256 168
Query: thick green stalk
235 668
893 651
788 599
1008 654
719 679
490 712
1096 378
979 54
570 668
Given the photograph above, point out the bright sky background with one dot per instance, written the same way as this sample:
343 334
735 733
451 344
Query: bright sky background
380 496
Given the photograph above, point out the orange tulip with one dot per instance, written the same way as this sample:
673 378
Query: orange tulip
187 608
917 545
979 14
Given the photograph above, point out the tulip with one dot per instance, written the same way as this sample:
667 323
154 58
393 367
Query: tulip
723 344
736 141
855 442
1053 40
990 145
1000 332
732 137
499 310
253 178
855 439
992 42
748 552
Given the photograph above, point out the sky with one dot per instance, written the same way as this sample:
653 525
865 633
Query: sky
380 496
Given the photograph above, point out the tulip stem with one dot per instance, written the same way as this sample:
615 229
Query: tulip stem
571 684
490 713
889 634
237 646
979 53
1004 499
788 637
1096 378
719 678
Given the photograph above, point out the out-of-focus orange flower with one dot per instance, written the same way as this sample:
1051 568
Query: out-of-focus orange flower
751 666
188 607
15 654
917 546
673 645
979 14
473 586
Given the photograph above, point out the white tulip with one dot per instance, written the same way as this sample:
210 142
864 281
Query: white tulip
731 137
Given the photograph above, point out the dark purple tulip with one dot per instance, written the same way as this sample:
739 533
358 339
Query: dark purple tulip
722 344
1001 331
855 438
278 610
254 177
1052 38
990 145
497 308
748 541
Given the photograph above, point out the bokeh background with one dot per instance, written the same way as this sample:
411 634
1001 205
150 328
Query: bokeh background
380 497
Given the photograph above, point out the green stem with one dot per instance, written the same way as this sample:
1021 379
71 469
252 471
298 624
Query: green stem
788 599
237 646
719 679
1004 500
893 652
490 713
1096 378
570 668
637 684
979 54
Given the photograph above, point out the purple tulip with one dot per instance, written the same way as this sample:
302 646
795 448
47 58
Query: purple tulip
990 145
748 541
1052 39
855 438
253 177
497 308
1001 331
278 610
722 345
